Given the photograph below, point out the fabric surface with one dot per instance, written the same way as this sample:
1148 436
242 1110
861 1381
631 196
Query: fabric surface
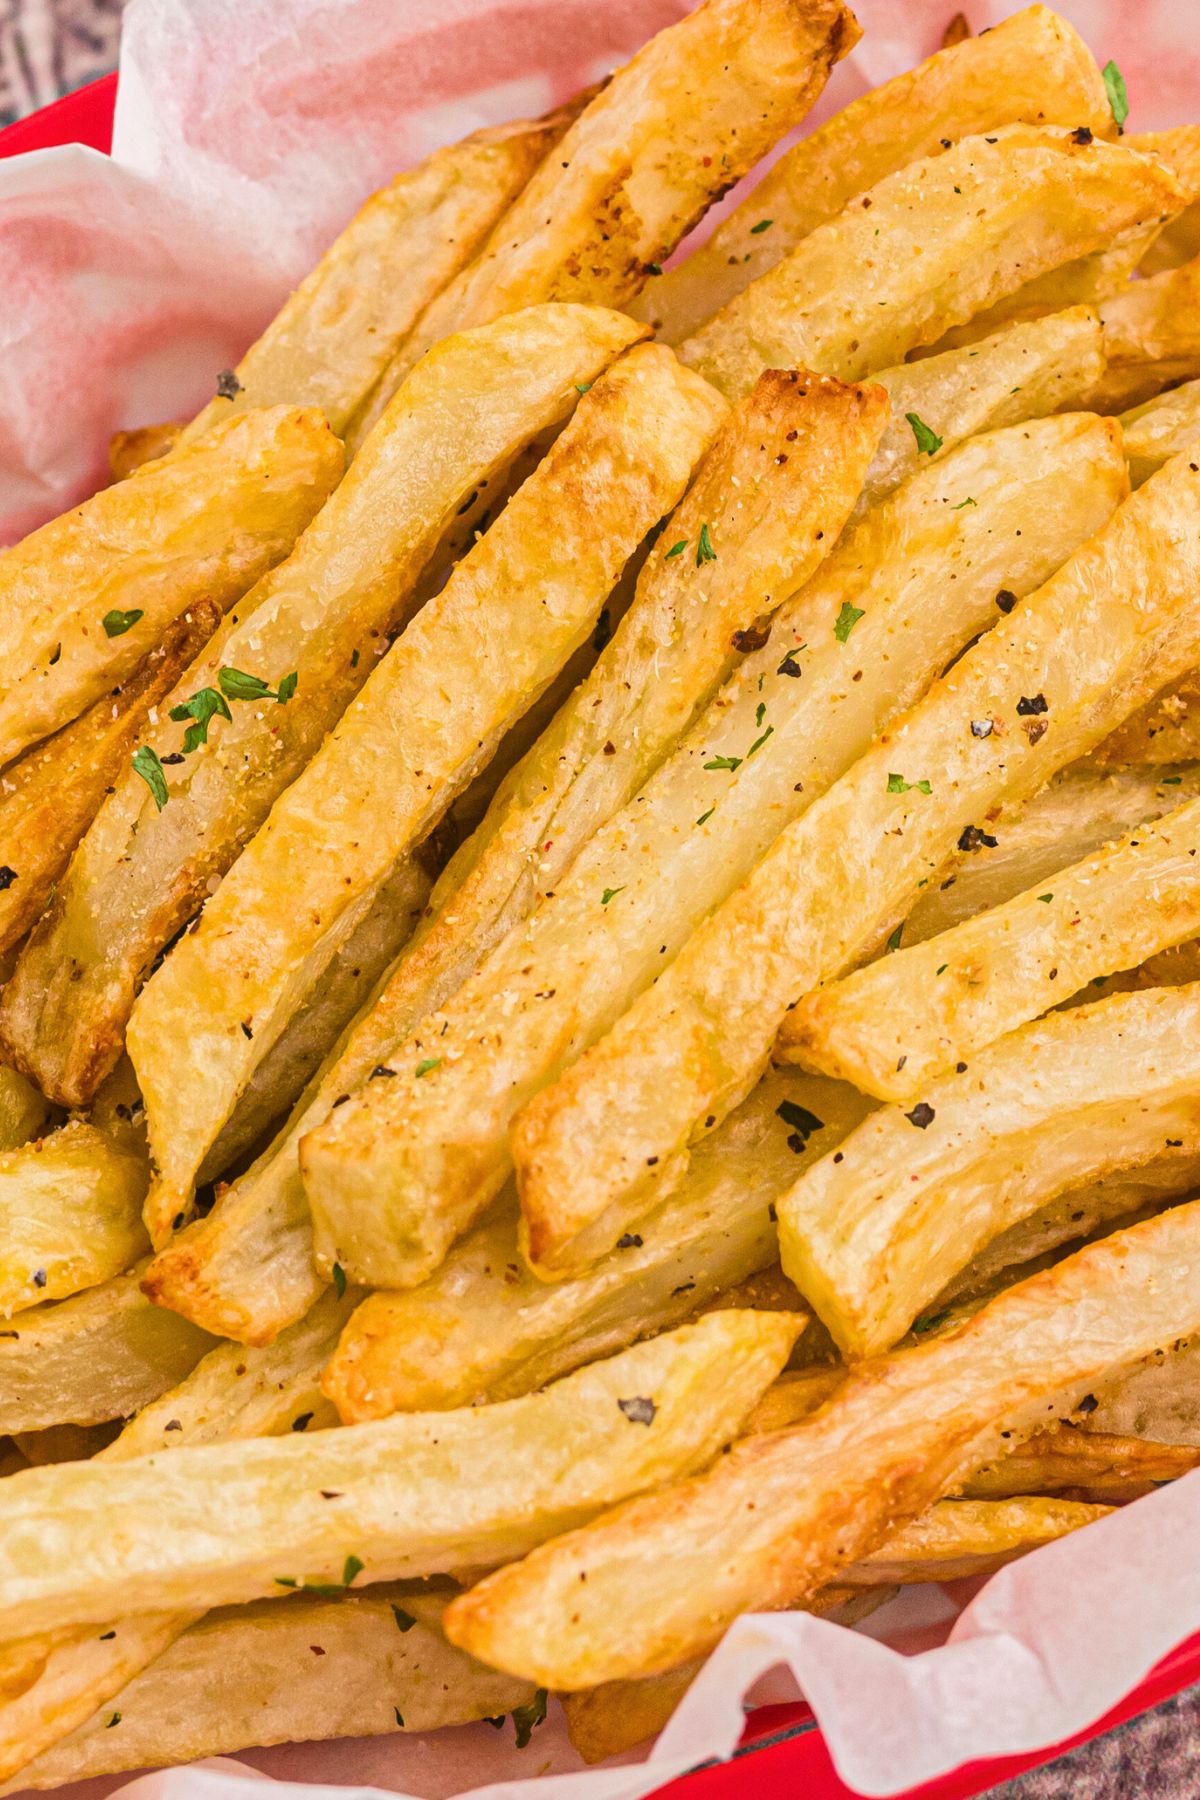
49 47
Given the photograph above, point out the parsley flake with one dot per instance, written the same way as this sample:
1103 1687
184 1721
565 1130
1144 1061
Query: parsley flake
896 784
204 706
583 387
116 623
427 1064
760 741
931 1320
676 549
146 763
399 1717
763 225
967 502
705 816
893 942
611 894
526 1718
1118 97
725 762
235 684
1045 899
928 442
846 620
404 1619
704 547
339 1279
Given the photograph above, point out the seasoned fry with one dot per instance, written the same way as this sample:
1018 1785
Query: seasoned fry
1179 239
244 1521
668 133
84 599
1151 337
249 1265
873 1238
483 1327
333 337
961 230
1160 428
1110 625
394 1170
70 1215
100 1355
49 796
22 1110
318 623
1032 67
513 610
1085 1464
781 1516
1022 371
1165 731
250 1675
128 450
897 1025
1160 1399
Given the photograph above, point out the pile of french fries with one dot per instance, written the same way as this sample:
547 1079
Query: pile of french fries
600 917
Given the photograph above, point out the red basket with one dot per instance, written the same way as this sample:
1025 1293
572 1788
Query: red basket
782 1750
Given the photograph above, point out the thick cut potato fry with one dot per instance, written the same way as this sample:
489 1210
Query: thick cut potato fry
250 1263
100 1355
322 618
1160 428
897 1025
1151 337
921 571
1159 1400
49 796
666 136
929 247
1021 372
1165 731
870 1240
22 1110
512 612
129 450
244 1521
781 1516
1179 240
336 334
484 1328
252 1675
70 1215
1076 815
84 598
1032 67
1110 626
1088 1464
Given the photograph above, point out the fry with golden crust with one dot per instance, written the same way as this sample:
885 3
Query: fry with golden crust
895 1026
667 135
128 450
874 1238
317 623
22 1111
782 1516
49 796
929 247
1151 337
1179 240
1052 677
393 1176
70 1215
513 610
1160 428
83 599
222 1522
1085 1465
1032 67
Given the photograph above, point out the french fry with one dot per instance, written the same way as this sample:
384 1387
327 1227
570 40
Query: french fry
335 335
668 133
70 1215
1022 371
513 610
83 599
483 1327
22 1110
782 1516
252 1675
1111 625
895 1026
1179 239
49 796
1151 337
1160 1399
1085 1464
129 450
870 1240
1160 428
249 1264
1031 67
100 1355
223 1522
1166 731
318 622
392 1177
1076 815
929 247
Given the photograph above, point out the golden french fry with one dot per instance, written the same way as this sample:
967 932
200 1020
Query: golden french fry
517 605
1159 1400
22 1110
83 599
222 1522
929 247
1151 337
897 1025
1088 647
484 1327
1076 815
250 1263
1091 1464
100 1355
1179 240
1164 732
317 623
129 450
874 1238
897 599
269 1674
70 1215
782 1516
49 796
1032 67
668 133
1022 371
333 337
1160 428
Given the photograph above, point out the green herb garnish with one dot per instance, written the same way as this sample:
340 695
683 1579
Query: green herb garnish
147 764
427 1064
846 620
704 547
204 706
928 442
526 1718
1118 97
725 762
116 623
896 784
763 225
610 894
339 1279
